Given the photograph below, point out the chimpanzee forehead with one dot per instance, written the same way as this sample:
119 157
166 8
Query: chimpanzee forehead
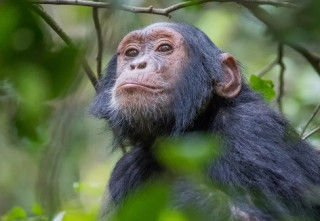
151 33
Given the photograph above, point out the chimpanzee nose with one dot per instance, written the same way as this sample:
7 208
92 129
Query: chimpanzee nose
142 65
138 65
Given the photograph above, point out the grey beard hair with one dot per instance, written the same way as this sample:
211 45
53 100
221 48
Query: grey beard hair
147 115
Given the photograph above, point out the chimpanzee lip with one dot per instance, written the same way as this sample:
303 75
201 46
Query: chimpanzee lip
135 85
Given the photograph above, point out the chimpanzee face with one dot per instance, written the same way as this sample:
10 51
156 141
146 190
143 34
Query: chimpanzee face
149 64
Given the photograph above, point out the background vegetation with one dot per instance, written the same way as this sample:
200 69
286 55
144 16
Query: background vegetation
55 159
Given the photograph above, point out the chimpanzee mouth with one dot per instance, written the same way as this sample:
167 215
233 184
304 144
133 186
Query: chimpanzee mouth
141 86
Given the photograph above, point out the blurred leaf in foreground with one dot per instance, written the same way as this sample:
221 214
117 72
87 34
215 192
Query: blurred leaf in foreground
37 72
148 204
37 210
189 153
14 214
172 215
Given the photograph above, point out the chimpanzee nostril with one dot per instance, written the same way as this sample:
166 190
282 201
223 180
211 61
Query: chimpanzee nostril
142 65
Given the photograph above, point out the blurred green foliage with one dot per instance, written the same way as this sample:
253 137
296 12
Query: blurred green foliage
37 73
15 213
299 25
188 154
185 158
153 197
56 159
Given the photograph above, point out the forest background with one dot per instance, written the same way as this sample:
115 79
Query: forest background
55 159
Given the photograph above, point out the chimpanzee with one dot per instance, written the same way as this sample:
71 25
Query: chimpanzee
169 79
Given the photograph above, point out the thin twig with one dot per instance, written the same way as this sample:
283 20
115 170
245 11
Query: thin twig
312 57
46 17
314 113
160 11
95 15
281 76
311 133
268 67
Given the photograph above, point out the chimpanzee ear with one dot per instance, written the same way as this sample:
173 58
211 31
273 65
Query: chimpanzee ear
230 86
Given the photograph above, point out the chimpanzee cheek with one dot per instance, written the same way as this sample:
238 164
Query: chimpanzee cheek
156 63
120 66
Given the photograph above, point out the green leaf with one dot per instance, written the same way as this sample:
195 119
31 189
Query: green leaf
172 215
79 215
37 210
14 214
147 204
265 87
188 154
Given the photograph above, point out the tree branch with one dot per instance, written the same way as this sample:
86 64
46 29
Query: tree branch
66 39
268 67
266 18
159 11
95 15
312 57
277 61
281 76
311 133
314 113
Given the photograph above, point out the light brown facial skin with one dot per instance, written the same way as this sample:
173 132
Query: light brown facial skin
149 65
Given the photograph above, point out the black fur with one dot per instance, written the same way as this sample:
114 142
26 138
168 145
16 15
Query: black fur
263 153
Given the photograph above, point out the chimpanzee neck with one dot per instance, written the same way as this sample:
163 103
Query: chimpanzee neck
221 113
204 121
247 115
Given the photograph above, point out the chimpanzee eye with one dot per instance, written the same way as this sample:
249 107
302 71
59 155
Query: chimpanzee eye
132 52
164 48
